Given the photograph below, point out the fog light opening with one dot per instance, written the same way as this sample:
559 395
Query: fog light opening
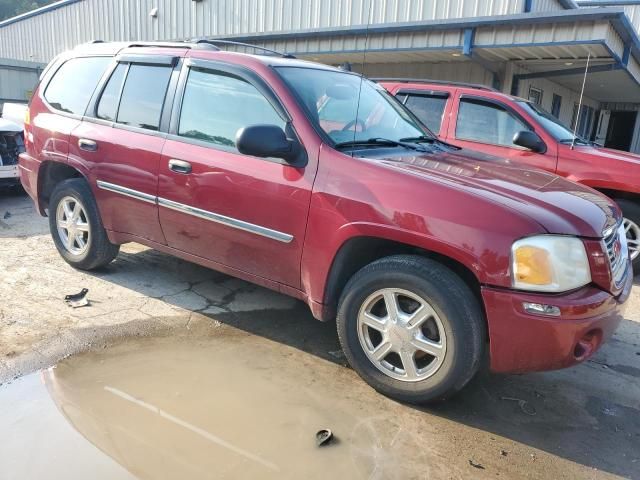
541 309
587 345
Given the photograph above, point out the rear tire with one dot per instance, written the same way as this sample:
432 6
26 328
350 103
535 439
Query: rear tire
76 227
631 213
454 331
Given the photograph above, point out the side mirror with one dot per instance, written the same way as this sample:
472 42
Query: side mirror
530 140
268 141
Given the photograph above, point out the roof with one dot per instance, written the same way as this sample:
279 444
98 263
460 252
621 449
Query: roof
436 84
615 15
607 3
155 48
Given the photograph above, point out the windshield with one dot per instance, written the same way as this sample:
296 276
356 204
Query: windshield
551 124
331 99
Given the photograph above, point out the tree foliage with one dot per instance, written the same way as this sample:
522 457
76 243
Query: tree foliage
11 8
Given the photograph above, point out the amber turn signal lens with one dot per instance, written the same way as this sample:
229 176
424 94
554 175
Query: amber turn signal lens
27 117
533 266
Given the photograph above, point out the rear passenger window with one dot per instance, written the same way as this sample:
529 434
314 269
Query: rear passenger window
143 96
216 106
71 87
428 108
108 105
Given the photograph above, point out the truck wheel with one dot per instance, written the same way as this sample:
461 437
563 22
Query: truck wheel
411 328
631 213
76 227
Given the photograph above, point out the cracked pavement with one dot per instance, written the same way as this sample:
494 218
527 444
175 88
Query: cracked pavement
143 291
586 422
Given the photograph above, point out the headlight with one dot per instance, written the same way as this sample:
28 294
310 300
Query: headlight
549 263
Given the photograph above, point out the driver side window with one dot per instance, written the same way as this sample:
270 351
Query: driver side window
216 105
486 122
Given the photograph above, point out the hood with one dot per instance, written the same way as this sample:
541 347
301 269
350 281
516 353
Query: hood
609 154
14 112
9 127
558 205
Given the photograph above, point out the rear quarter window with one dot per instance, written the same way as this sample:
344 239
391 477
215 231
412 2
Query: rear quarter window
72 85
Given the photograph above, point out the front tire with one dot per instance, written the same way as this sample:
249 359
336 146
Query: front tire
411 328
631 213
76 226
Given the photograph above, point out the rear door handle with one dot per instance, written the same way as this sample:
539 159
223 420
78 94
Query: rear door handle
179 166
87 145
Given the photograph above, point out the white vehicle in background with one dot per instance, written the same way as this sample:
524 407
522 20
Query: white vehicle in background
15 112
11 142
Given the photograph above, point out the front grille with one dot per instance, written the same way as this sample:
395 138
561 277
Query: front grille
618 252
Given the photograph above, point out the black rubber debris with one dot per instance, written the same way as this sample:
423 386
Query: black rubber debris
323 437
77 299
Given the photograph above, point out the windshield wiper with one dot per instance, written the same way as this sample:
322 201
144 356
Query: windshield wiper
420 139
377 141
569 141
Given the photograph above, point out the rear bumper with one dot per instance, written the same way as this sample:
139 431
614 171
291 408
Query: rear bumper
28 168
525 342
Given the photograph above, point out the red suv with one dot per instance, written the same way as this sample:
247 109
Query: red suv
319 184
483 119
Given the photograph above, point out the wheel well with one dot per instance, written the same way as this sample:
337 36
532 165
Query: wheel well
52 173
360 251
613 194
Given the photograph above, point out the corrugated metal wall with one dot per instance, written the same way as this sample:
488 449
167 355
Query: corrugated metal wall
456 72
546 6
633 12
41 37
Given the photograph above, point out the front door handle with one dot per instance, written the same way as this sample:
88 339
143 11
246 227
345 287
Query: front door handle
179 166
87 145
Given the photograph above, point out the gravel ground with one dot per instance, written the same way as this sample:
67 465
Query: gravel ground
582 422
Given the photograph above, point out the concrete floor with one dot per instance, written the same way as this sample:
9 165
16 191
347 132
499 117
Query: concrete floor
583 422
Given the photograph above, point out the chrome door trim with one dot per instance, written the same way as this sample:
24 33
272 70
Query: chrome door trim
127 192
224 220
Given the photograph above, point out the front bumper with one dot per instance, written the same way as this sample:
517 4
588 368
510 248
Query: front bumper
524 342
9 172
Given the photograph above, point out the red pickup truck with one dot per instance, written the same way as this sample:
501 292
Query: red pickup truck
318 183
483 119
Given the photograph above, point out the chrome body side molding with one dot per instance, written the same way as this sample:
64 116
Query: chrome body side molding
224 220
127 192
197 212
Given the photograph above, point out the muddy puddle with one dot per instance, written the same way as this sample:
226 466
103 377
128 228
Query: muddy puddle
233 406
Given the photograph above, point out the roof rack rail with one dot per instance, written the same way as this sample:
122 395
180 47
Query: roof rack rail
178 44
435 82
159 44
215 42
195 43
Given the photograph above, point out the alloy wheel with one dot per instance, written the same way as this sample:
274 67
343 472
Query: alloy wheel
73 225
401 334
632 230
